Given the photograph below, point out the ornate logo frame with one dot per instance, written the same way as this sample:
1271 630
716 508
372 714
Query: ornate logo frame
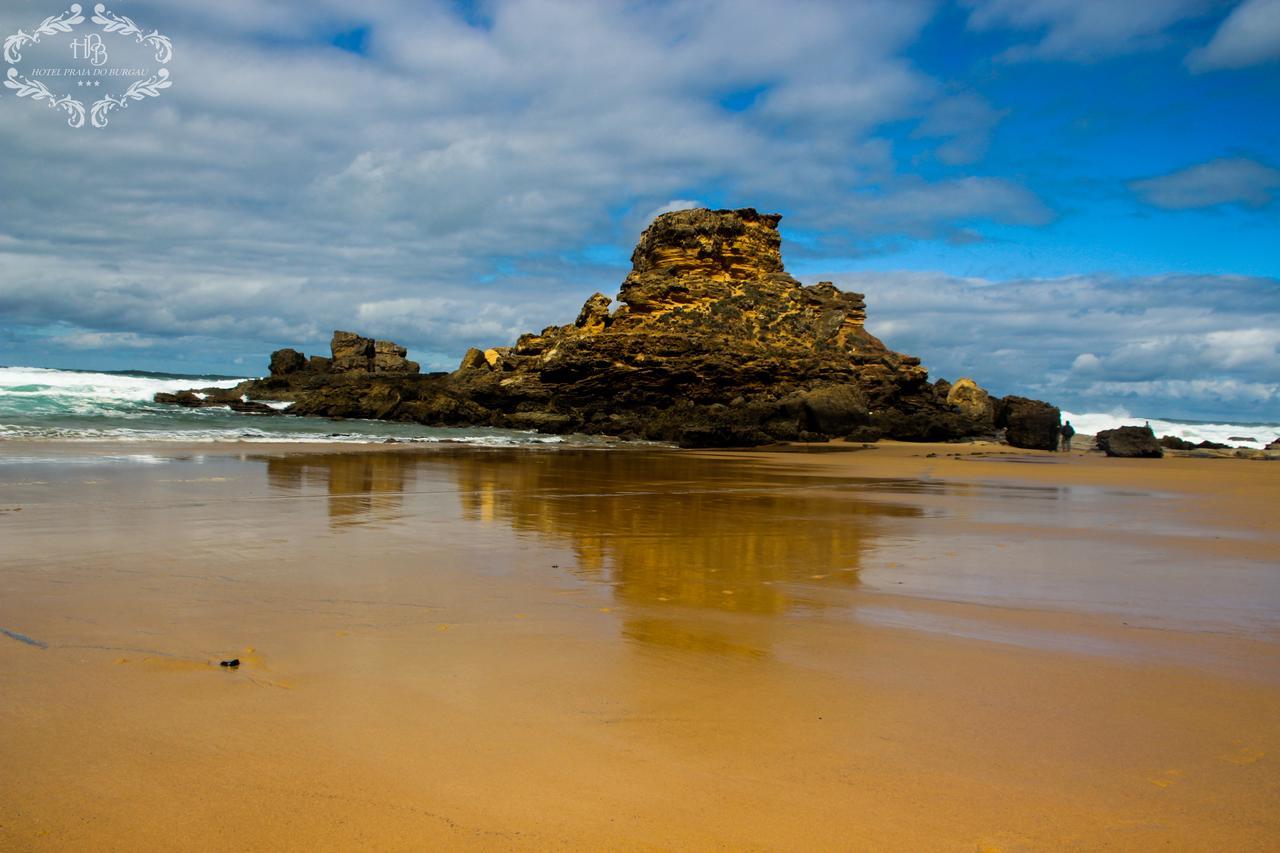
98 113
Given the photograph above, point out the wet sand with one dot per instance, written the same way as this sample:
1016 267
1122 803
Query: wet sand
636 649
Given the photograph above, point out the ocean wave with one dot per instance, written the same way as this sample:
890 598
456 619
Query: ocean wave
30 391
1259 435
41 404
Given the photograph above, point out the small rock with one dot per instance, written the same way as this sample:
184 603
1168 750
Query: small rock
1130 442
230 664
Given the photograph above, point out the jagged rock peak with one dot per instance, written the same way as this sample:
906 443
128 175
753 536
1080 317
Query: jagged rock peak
352 353
689 256
715 244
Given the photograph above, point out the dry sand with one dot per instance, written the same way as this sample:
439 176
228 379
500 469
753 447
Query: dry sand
860 650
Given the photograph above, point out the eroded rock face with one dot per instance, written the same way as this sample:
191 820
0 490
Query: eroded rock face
1130 442
352 353
712 343
1031 424
286 361
971 400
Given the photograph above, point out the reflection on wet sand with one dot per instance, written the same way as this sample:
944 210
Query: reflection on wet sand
661 529
664 532
362 487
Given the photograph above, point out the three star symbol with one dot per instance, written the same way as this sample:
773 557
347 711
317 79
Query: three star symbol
88 82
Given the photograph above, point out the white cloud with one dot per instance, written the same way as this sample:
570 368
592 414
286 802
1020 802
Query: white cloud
284 186
674 204
1249 36
1087 342
1086 362
1083 30
103 340
1224 181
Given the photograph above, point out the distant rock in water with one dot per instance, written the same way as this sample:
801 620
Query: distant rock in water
713 344
1130 441
1173 442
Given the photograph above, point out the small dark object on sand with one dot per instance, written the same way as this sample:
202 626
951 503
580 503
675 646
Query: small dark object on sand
233 663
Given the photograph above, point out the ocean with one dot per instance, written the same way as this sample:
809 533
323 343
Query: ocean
80 405
77 405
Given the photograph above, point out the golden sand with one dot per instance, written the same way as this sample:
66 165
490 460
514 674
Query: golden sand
866 650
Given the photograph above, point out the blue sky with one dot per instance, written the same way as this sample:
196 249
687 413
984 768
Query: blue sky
1071 199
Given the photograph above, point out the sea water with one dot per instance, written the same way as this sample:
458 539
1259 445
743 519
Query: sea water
75 405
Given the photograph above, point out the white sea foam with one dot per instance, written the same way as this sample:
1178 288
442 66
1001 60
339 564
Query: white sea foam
1260 434
43 391
78 406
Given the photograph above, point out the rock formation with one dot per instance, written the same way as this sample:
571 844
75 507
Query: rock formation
713 344
1028 423
351 353
1130 441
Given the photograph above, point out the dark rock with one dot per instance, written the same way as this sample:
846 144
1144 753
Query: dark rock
1173 442
286 361
835 409
1130 442
1029 424
353 353
251 407
865 433
595 313
182 398
230 664
474 360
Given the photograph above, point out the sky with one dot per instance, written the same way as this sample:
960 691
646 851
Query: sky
1074 200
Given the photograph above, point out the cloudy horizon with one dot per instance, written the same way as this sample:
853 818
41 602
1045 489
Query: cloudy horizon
1073 201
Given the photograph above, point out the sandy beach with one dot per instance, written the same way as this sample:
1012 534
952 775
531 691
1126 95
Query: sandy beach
905 647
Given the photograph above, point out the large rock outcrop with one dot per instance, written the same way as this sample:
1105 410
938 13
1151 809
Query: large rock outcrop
713 344
1032 424
350 353
1130 441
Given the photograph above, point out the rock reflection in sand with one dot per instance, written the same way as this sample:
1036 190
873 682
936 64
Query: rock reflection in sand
664 531
362 487
661 528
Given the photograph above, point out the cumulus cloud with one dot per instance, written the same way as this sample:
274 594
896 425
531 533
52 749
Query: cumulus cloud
674 204
1174 345
1249 36
462 161
1236 180
103 340
1082 30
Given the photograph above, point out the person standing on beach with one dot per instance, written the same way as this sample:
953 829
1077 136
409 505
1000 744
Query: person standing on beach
1066 431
